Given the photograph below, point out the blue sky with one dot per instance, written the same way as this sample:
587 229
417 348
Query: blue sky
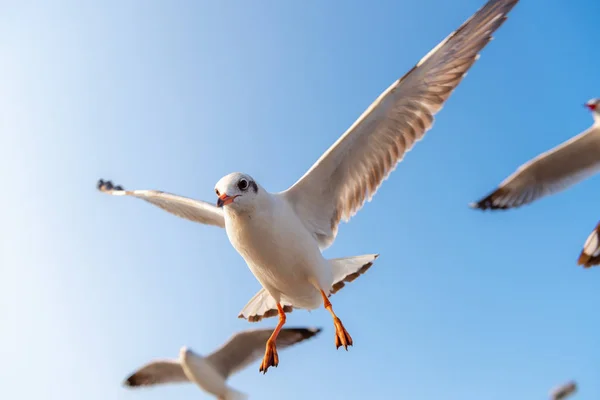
174 95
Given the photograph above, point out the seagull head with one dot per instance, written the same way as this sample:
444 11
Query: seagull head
236 190
593 105
187 355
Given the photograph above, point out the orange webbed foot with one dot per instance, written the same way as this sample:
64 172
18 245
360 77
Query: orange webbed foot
342 337
271 359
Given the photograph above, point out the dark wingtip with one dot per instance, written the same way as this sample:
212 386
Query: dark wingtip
587 261
590 260
106 186
131 381
489 202
583 260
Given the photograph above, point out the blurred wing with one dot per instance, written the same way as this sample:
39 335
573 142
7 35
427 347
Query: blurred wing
193 210
352 170
590 255
564 391
551 172
248 346
157 372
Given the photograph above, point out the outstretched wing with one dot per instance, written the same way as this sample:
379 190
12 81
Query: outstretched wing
351 171
193 210
248 346
551 172
157 372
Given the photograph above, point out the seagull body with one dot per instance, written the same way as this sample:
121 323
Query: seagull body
281 235
278 248
210 373
552 172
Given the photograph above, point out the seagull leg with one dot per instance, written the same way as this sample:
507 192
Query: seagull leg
342 337
271 358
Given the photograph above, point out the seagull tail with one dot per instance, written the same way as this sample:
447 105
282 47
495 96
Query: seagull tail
348 269
232 394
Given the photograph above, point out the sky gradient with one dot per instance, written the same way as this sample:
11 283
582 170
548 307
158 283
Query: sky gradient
174 95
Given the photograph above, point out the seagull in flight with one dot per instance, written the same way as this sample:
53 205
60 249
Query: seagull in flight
281 235
211 372
551 172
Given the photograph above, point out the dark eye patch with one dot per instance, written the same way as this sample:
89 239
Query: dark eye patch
254 186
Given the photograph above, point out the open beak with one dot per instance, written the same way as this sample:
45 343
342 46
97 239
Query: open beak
224 200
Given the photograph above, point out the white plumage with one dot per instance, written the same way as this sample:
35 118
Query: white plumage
281 235
551 172
211 372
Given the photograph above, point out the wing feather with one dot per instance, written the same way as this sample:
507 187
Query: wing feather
351 171
184 207
248 346
549 173
157 372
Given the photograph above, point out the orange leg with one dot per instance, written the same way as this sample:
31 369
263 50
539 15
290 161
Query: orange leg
271 358
342 337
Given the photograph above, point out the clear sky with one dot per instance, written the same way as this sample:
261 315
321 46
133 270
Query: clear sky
173 95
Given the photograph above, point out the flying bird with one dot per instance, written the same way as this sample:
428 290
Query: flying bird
211 372
281 236
551 172
563 391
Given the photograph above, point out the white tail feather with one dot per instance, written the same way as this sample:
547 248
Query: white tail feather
346 269
262 305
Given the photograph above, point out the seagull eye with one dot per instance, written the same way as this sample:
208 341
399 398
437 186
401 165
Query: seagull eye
243 184
217 192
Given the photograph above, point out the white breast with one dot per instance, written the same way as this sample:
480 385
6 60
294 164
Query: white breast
202 373
280 252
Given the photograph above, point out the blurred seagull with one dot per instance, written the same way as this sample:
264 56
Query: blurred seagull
210 373
551 172
563 391
281 235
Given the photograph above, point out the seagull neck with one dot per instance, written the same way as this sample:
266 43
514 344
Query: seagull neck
263 201
596 116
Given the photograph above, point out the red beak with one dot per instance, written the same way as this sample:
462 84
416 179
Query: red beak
224 200
591 106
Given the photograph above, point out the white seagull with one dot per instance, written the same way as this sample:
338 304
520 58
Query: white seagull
563 391
551 172
211 372
281 235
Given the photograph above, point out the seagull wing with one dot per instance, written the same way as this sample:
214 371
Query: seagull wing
590 255
157 372
350 172
248 346
193 210
551 172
